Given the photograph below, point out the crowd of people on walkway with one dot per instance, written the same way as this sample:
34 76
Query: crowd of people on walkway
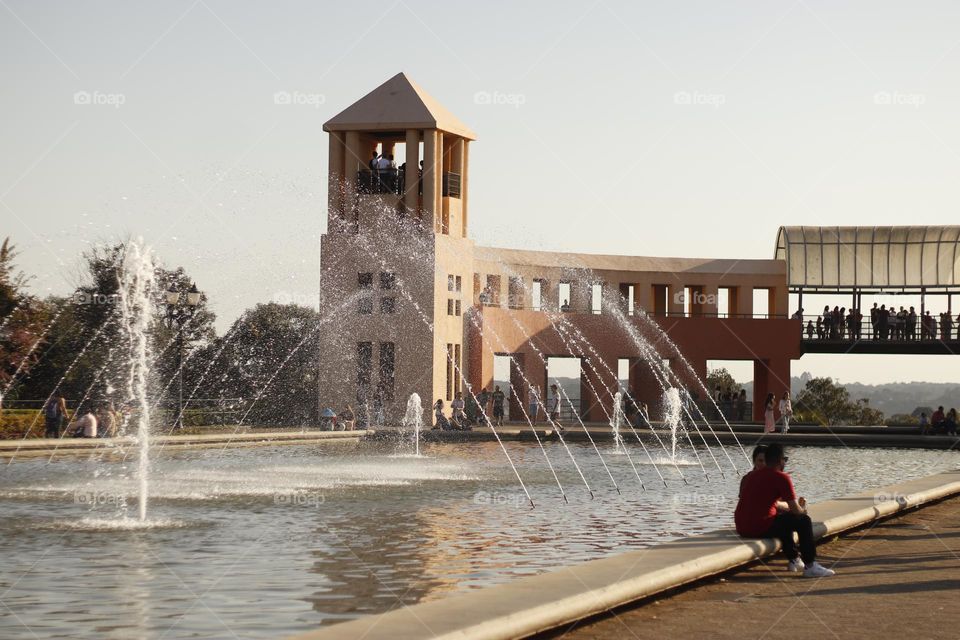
885 324
101 421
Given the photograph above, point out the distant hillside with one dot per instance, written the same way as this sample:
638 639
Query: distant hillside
895 397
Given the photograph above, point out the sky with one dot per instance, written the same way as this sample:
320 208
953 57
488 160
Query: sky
661 129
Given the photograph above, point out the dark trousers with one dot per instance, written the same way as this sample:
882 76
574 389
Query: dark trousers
53 428
783 528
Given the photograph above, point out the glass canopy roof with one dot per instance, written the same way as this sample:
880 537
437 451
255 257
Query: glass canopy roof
901 258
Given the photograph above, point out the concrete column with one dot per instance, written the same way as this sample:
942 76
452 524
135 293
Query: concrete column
351 164
745 301
580 296
597 388
464 193
710 292
335 176
438 182
411 196
769 376
430 166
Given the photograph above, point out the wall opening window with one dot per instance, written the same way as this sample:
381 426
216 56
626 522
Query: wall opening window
387 279
761 303
365 305
451 283
456 307
596 298
449 306
515 292
388 305
536 295
387 370
451 371
365 280
563 293
364 368
458 284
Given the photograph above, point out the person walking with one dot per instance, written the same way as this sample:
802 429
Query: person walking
786 411
498 400
769 422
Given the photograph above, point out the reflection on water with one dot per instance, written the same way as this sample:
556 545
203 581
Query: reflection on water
269 541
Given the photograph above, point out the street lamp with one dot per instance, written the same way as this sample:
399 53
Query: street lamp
180 310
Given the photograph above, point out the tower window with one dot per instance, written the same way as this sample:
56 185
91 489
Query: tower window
387 279
365 305
388 305
365 280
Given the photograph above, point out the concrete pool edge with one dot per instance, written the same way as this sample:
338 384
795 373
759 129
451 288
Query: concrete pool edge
67 446
536 604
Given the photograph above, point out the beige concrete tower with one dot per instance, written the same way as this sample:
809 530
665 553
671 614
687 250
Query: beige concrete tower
395 261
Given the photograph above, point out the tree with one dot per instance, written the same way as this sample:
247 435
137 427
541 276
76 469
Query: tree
825 402
723 379
22 318
270 351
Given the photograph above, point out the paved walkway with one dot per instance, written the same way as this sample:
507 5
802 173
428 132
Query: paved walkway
896 579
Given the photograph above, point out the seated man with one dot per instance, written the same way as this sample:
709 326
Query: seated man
84 426
759 515
937 420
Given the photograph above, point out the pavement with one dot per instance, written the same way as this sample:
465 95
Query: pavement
897 578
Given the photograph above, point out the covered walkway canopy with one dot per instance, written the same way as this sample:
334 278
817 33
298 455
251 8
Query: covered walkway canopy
890 259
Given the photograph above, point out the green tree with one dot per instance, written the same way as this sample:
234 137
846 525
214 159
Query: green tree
22 318
271 350
827 403
723 379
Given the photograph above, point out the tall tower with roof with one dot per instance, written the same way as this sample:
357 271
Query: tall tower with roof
395 260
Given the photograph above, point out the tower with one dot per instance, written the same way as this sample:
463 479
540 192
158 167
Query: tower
395 261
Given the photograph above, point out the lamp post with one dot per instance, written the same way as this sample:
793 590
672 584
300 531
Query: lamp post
180 310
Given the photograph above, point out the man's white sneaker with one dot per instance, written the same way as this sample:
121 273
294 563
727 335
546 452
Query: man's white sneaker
796 565
817 570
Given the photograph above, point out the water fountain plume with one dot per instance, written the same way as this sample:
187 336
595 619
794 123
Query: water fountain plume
136 285
413 419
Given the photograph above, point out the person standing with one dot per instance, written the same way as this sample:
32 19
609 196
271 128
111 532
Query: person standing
769 422
498 400
786 411
54 413
761 513
483 403
533 410
458 408
553 405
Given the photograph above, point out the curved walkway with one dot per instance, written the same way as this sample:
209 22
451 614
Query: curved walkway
896 579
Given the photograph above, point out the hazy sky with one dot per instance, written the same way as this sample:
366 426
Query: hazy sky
672 128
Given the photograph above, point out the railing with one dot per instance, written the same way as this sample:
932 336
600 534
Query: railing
899 329
522 301
394 181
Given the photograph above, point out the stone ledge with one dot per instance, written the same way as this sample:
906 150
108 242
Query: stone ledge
536 604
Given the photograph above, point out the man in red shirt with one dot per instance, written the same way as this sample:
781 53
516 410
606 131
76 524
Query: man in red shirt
769 508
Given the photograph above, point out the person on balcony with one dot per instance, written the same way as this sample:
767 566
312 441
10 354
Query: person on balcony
565 307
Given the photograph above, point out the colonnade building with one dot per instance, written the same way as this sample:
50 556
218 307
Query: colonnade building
416 307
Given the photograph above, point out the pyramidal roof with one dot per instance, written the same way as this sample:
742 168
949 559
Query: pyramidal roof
398 103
